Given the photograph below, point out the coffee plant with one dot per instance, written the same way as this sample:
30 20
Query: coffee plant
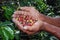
9 31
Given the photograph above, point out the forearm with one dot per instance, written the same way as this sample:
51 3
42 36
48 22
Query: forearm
52 29
49 20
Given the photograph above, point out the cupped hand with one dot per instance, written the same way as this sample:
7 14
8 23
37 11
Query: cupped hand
31 11
29 29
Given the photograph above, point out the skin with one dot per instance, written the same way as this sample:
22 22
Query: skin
35 14
52 29
46 23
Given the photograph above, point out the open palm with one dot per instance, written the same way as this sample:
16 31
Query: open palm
28 29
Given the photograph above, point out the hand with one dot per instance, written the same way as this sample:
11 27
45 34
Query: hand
29 11
33 13
29 29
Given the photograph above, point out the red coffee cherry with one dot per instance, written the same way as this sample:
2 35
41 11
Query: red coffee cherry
26 20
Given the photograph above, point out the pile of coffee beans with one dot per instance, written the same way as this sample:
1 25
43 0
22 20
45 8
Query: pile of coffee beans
25 20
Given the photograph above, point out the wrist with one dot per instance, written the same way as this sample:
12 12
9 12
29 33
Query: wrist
52 29
42 25
45 25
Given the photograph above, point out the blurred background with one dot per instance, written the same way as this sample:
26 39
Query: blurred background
9 31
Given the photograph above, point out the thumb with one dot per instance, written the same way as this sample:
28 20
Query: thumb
28 28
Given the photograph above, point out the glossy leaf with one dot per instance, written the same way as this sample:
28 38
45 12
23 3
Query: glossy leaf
9 32
8 11
6 31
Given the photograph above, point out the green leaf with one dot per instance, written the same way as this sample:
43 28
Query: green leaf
17 34
3 34
6 31
6 23
8 11
5 37
9 32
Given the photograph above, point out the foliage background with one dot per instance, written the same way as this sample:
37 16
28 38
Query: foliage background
9 31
